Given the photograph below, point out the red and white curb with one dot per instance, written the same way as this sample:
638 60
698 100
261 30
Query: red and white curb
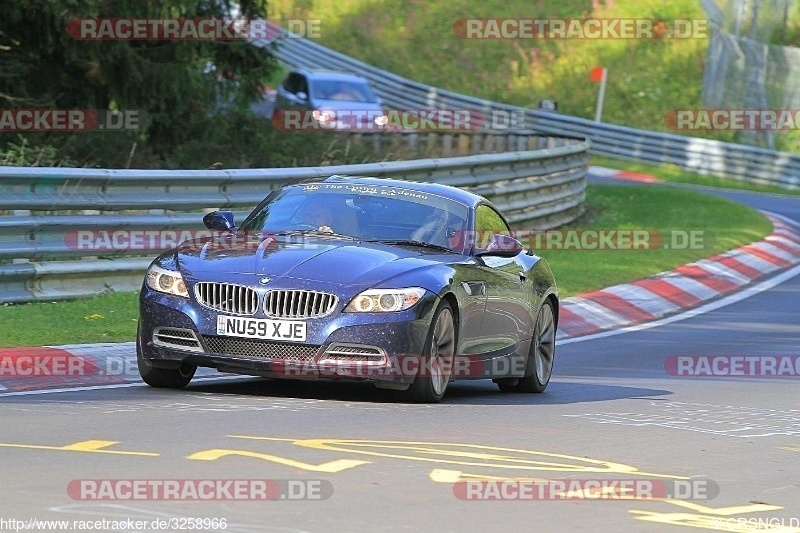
645 300
605 172
684 287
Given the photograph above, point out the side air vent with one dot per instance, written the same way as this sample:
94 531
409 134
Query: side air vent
177 338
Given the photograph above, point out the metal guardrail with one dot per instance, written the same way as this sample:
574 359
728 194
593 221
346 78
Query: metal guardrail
704 156
54 249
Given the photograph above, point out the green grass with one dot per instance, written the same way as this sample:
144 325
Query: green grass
106 318
112 318
727 225
674 174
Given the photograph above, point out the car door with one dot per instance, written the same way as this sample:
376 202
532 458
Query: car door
509 313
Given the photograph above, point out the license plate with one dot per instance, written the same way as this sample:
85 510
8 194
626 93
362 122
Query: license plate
259 328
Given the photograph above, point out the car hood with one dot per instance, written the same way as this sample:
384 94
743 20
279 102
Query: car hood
327 260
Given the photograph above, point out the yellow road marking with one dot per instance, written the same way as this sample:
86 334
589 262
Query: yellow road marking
92 446
442 475
484 456
711 519
724 511
330 467
713 523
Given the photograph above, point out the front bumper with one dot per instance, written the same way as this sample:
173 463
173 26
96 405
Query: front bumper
385 347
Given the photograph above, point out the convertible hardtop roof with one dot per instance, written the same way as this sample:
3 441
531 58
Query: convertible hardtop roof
453 193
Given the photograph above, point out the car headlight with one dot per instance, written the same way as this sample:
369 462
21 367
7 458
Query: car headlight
385 300
166 281
324 117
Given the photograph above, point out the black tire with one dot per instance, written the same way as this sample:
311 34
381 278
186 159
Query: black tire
507 384
430 385
539 365
163 378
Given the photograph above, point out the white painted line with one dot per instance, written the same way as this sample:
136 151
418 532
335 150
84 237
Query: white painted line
790 221
111 345
691 313
114 386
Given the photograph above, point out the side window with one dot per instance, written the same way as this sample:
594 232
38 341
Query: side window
295 83
288 83
302 84
488 222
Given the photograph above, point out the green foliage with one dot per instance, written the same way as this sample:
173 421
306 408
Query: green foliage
415 39
240 140
177 85
19 153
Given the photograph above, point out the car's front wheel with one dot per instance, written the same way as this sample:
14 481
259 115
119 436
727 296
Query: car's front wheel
436 365
164 378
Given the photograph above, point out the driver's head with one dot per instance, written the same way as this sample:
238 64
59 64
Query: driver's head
318 212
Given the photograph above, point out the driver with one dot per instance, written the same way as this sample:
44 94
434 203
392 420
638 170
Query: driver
318 213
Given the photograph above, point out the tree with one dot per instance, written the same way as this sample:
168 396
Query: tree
177 85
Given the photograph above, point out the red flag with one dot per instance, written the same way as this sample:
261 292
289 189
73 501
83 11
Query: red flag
598 74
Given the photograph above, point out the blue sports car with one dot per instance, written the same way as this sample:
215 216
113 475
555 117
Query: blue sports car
410 285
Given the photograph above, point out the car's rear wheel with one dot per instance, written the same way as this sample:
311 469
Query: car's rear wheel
164 378
539 366
436 366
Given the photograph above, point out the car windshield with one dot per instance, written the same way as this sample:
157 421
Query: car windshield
365 212
345 91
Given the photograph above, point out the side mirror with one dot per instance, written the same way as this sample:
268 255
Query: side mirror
302 95
501 246
219 221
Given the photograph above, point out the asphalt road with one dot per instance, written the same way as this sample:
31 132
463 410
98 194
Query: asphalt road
613 412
